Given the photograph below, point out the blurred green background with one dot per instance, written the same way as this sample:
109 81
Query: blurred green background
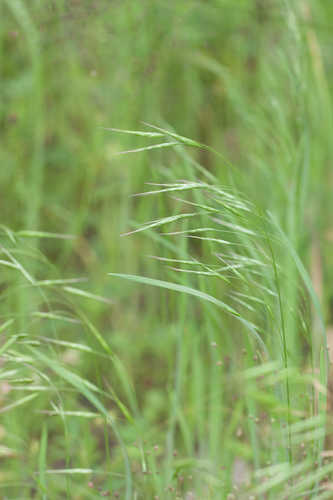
228 74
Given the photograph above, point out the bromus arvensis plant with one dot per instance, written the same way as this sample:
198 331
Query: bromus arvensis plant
227 256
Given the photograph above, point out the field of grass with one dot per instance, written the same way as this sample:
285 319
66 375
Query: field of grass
166 249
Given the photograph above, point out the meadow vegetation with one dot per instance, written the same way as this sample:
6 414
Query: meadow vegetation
165 249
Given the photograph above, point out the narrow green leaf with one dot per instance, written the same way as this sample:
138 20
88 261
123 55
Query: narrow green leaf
17 403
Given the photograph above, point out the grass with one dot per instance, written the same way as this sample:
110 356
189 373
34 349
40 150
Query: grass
188 358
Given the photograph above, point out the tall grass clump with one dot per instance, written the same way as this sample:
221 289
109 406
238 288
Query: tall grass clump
188 359
236 375
251 344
